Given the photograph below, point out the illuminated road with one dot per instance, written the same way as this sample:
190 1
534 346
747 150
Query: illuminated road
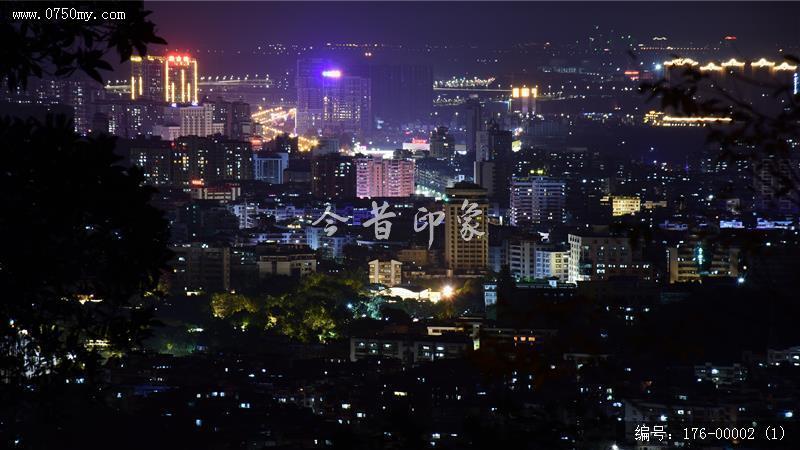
273 122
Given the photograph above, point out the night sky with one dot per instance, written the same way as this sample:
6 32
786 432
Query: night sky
242 25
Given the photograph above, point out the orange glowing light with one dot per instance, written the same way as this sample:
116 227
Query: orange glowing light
732 63
762 63
785 66
710 66
681 62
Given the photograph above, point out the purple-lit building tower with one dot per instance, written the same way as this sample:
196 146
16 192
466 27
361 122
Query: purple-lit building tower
331 102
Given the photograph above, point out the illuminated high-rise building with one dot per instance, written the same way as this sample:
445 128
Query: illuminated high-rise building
622 205
379 177
461 254
346 104
387 273
208 160
331 102
196 120
523 100
172 79
147 78
309 95
536 200
596 254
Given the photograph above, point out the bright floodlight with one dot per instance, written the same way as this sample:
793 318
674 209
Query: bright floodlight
332 73
447 291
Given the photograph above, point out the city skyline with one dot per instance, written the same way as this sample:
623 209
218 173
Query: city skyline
369 225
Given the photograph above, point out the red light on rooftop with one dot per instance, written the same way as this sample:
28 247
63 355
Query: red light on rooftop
178 58
730 38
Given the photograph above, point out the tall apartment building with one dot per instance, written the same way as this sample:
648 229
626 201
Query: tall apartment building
379 177
308 119
331 102
474 123
234 118
154 157
551 262
172 79
333 176
461 254
536 200
147 78
493 165
197 120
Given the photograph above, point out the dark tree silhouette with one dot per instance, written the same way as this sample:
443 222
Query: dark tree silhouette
80 242
506 287
60 47
82 247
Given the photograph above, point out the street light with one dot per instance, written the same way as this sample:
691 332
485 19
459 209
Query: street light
447 291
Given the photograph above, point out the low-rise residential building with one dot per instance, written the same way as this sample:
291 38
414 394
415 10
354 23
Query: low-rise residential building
387 273
410 349
288 260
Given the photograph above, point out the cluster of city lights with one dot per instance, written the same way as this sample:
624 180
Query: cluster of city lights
731 63
657 118
270 121
464 82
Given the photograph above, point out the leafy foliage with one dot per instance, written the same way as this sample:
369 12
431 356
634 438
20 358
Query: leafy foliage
225 304
82 246
316 310
83 250
62 47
